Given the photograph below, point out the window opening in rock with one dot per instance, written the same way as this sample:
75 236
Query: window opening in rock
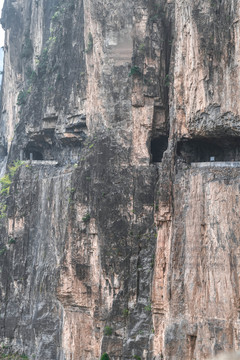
158 146
82 271
209 149
191 346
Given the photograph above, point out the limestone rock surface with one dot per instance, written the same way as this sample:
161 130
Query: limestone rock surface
120 229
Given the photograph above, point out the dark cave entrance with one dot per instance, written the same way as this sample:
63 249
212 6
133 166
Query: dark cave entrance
33 154
209 149
158 146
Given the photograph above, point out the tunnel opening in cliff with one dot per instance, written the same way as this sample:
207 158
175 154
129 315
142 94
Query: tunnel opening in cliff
33 154
223 149
158 146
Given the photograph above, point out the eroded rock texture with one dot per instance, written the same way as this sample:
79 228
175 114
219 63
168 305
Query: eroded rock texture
121 236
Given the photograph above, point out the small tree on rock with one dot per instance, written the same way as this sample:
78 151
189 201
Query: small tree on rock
105 357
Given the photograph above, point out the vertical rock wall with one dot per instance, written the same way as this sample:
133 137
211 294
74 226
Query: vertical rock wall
123 247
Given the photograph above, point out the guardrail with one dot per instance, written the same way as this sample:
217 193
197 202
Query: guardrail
231 164
41 162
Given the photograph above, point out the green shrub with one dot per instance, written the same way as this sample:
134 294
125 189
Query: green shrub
108 331
125 312
12 169
148 308
86 218
12 241
52 39
56 16
137 357
15 356
167 80
141 48
90 43
154 18
105 357
135 70
2 251
3 210
6 180
22 98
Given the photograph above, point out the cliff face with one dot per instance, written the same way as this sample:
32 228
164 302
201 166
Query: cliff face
113 239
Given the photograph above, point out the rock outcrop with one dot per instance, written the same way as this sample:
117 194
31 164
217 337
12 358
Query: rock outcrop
120 227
